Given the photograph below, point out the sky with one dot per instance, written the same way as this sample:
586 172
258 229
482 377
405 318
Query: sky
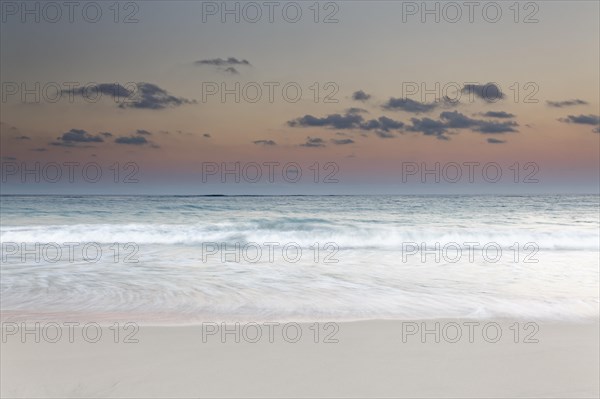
346 97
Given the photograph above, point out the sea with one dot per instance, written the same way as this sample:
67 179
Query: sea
189 259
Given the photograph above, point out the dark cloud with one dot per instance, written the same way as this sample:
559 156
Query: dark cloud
385 127
384 134
593 120
457 120
381 125
143 132
265 142
77 136
334 121
360 96
41 149
498 114
488 92
222 62
313 142
492 140
566 103
429 127
106 134
206 135
150 96
22 138
582 119
92 91
146 95
408 105
225 65
355 110
132 140
489 127
342 141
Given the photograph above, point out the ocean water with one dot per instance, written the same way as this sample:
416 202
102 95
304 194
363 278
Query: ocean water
178 259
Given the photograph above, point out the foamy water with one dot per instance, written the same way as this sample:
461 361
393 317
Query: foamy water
175 258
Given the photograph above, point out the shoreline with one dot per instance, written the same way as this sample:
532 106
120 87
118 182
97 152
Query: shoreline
160 320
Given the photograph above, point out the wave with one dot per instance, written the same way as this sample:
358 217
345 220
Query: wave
304 233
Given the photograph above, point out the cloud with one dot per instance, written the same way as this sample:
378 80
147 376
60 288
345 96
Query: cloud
384 134
146 95
582 119
132 140
354 110
106 134
488 127
75 137
207 135
488 92
150 96
313 142
382 125
408 105
360 96
429 127
385 127
93 91
22 138
492 140
9 158
498 114
222 62
41 149
342 141
566 103
593 120
334 121
265 142
143 132
457 120
231 70
224 65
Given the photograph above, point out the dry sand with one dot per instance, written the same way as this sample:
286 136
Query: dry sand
370 360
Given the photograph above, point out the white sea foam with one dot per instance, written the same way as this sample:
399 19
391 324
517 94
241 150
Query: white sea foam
305 234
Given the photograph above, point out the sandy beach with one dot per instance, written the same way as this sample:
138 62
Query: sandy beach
369 359
299 199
